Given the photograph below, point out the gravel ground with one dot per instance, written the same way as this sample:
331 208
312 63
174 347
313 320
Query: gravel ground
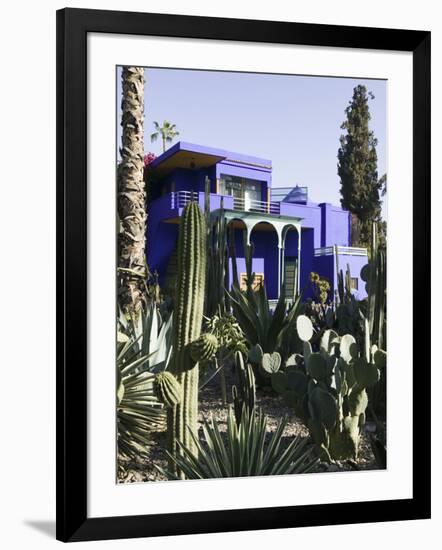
211 404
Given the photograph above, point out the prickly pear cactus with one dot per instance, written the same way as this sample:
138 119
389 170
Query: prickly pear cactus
168 389
328 388
204 348
256 354
187 320
270 362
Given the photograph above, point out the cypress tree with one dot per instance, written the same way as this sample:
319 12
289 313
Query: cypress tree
357 167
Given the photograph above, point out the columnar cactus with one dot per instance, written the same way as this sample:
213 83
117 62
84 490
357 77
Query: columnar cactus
187 320
204 348
168 389
375 275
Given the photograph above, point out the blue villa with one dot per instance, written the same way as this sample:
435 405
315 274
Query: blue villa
291 236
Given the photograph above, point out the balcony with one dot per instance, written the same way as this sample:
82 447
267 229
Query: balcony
340 250
170 206
179 200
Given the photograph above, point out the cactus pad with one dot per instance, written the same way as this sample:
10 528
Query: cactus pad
255 354
380 358
271 362
357 402
348 347
297 382
317 366
280 382
304 327
329 340
323 407
367 374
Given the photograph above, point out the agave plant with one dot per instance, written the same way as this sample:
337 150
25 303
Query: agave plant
143 349
149 335
245 451
139 410
260 325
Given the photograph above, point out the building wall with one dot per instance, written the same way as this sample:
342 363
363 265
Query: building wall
186 180
161 236
266 247
264 176
308 244
160 246
311 218
265 258
325 266
335 225
322 225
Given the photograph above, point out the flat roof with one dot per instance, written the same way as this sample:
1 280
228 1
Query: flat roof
192 155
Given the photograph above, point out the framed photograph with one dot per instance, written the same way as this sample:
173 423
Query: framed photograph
243 309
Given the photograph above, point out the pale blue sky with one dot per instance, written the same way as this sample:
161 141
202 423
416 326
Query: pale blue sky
292 120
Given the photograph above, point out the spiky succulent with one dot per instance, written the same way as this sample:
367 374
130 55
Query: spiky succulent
228 333
204 348
168 389
188 316
143 348
245 451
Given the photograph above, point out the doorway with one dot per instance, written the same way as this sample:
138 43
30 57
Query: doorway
290 277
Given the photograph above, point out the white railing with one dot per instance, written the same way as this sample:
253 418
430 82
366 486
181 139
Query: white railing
250 205
179 199
347 250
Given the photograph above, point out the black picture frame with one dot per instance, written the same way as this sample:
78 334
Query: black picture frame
73 25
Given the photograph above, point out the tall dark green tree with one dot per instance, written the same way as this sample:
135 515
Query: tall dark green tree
357 167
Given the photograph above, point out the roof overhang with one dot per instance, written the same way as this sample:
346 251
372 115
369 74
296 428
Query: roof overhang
192 156
187 159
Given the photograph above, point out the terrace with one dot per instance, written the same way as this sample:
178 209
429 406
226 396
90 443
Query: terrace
341 250
172 204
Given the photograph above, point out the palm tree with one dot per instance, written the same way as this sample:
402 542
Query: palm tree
167 132
132 194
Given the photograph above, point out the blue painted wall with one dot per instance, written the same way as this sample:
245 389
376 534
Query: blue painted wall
264 176
307 257
322 224
266 246
335 225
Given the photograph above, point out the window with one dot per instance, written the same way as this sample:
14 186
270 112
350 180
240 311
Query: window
243 189
354 283
258 281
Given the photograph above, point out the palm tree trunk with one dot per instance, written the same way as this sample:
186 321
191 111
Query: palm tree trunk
164 143
132 194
